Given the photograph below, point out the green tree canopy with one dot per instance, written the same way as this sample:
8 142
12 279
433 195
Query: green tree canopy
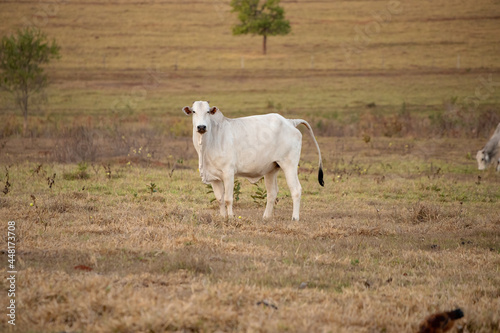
266 19
21 73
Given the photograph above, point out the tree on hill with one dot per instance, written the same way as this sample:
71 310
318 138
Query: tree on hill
21 57
266 19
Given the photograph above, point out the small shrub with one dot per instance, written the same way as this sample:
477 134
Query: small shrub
107 168
7 184
79 144
80 173
152 188
260 196
51 180
237 190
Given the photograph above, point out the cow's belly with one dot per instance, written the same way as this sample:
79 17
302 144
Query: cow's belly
255 172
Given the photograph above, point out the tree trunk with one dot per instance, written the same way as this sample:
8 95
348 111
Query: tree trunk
264 45
24 107
25 124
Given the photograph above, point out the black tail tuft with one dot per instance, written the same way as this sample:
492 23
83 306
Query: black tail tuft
320 177
456 314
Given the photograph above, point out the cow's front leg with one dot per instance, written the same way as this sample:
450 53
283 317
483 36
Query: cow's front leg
228 193
218 188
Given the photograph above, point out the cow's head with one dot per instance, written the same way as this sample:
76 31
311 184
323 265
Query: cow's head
482 159
201 113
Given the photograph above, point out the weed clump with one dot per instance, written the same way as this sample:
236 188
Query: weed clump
80 173
418 213
421 213
7 186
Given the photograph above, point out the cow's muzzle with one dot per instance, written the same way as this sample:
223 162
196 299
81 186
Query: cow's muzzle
201 129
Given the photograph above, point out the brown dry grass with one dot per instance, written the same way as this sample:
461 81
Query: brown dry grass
371 253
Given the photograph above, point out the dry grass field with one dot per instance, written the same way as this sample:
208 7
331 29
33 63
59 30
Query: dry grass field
397 233
116 232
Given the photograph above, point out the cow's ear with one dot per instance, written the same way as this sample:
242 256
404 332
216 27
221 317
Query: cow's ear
213 109
187 110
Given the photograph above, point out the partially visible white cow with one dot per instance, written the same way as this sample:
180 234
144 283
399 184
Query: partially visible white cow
251 147
490 151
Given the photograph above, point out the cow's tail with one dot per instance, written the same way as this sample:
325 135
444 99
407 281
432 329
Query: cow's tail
297 122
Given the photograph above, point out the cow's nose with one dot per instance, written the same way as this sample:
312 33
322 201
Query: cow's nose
202 128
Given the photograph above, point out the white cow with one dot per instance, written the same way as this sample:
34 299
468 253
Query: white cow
251 147
490 150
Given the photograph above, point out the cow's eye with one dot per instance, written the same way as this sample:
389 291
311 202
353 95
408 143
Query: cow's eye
194 112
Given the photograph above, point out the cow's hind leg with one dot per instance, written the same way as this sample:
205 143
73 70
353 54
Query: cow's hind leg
218 188
292 180
271 180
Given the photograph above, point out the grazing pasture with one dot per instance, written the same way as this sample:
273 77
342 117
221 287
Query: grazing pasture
397 233
116 233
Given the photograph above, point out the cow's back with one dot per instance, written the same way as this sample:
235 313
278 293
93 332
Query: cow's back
263 131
